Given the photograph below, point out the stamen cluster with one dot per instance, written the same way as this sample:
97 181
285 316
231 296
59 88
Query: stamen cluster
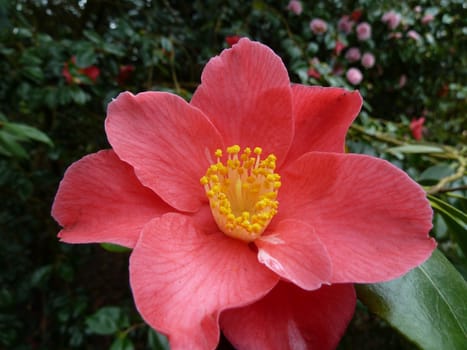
242 192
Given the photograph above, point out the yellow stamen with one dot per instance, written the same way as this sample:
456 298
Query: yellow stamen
242 192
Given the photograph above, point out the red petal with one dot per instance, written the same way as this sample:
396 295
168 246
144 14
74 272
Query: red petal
291 318
101 200
372 218
168 142
322 117
246 93
294 252
182 278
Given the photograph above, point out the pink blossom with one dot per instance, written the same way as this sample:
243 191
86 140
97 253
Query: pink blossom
353 54
295 7
414 35
392 19
354 76
416 128
242 210
345 24
364 31
368 60
395 35
318 26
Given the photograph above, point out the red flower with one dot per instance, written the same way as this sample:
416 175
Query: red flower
280 211
232 40
416 128
124 73
75 75
356 15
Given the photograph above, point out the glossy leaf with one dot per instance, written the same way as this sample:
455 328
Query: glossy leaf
428 305
455 219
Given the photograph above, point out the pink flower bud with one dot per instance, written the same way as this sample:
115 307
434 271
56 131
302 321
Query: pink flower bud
353 54
368 60
295 7
354 76
416 128
318 26
402 80
339 47
363 31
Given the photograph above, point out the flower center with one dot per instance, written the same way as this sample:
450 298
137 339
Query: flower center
242 192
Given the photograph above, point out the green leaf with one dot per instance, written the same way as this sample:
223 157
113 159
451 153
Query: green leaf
122 343
25 132
415 149
455 219
107 320
428 305
115 248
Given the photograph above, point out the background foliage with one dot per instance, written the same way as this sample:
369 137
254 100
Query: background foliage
62 62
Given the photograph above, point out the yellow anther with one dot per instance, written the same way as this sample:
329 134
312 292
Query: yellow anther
242 192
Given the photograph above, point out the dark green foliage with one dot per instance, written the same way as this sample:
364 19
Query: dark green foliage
57 296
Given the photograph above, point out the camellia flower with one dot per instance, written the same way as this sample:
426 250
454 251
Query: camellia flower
75 75
354 76
363 31
416 128
368 60
295 7
392 19
243 212
353 54
318 26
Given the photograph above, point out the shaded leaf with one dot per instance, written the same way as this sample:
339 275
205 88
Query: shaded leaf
122 343
115 248
25 132
157 341
107 320
454 218
428 305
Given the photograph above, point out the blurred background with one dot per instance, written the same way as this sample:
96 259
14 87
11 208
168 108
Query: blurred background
63 61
